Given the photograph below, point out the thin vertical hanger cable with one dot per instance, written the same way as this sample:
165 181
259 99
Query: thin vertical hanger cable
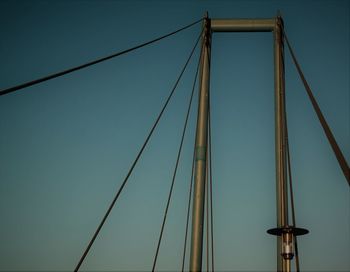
207 164
211 183
175 170
209 160
136 159
337 152
58 74
207 210
210 165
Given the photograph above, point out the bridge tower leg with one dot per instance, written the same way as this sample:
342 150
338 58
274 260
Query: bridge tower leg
201 153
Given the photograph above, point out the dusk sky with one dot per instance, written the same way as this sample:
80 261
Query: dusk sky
67 144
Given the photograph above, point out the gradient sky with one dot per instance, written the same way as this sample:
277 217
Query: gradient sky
66 144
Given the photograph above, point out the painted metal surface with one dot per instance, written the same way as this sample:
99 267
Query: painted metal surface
201 151
243 25
274 25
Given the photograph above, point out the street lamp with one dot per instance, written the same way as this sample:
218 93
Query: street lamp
287 233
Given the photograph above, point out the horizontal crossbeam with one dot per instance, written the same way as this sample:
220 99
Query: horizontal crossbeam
243 25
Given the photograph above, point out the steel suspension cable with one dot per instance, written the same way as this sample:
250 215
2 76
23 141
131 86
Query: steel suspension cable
337 152
176 167
207 210
207 162
137 158
188 212
191 183
289 168
58 74
211 186
297 264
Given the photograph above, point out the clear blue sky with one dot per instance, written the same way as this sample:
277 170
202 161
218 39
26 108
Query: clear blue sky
66 145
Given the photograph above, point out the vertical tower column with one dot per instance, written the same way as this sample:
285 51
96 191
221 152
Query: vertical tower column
280 142
201 152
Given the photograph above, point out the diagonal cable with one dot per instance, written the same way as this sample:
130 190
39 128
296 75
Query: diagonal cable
297 264
188 213
337 152
52 76
136 160
191 183
175 169
289 169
